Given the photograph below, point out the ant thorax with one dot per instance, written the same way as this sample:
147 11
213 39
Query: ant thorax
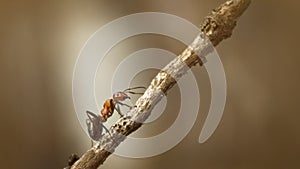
108 109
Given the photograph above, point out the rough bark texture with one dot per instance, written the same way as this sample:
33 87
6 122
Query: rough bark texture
216 27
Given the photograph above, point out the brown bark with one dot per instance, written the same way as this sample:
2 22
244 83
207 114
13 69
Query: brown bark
217 26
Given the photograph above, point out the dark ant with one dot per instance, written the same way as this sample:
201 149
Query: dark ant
95 122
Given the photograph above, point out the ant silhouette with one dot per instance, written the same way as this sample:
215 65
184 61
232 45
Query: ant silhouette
95 122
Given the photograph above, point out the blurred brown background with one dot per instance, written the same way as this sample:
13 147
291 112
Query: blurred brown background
39 44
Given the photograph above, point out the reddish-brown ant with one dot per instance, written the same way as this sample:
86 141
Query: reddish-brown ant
95 122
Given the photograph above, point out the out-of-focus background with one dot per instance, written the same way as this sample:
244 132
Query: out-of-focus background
39 44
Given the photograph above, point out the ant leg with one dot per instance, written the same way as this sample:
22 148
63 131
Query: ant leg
91 115
118 110
105 129
124 104
138 87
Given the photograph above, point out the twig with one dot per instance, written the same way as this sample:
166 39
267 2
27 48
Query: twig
217 26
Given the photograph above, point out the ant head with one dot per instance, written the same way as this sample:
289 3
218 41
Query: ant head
120 96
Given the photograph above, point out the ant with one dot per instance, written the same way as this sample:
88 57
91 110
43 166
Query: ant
95 122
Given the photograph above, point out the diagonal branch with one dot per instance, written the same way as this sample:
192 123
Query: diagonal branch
216 27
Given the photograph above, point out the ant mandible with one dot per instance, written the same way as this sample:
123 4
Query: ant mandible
95 122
